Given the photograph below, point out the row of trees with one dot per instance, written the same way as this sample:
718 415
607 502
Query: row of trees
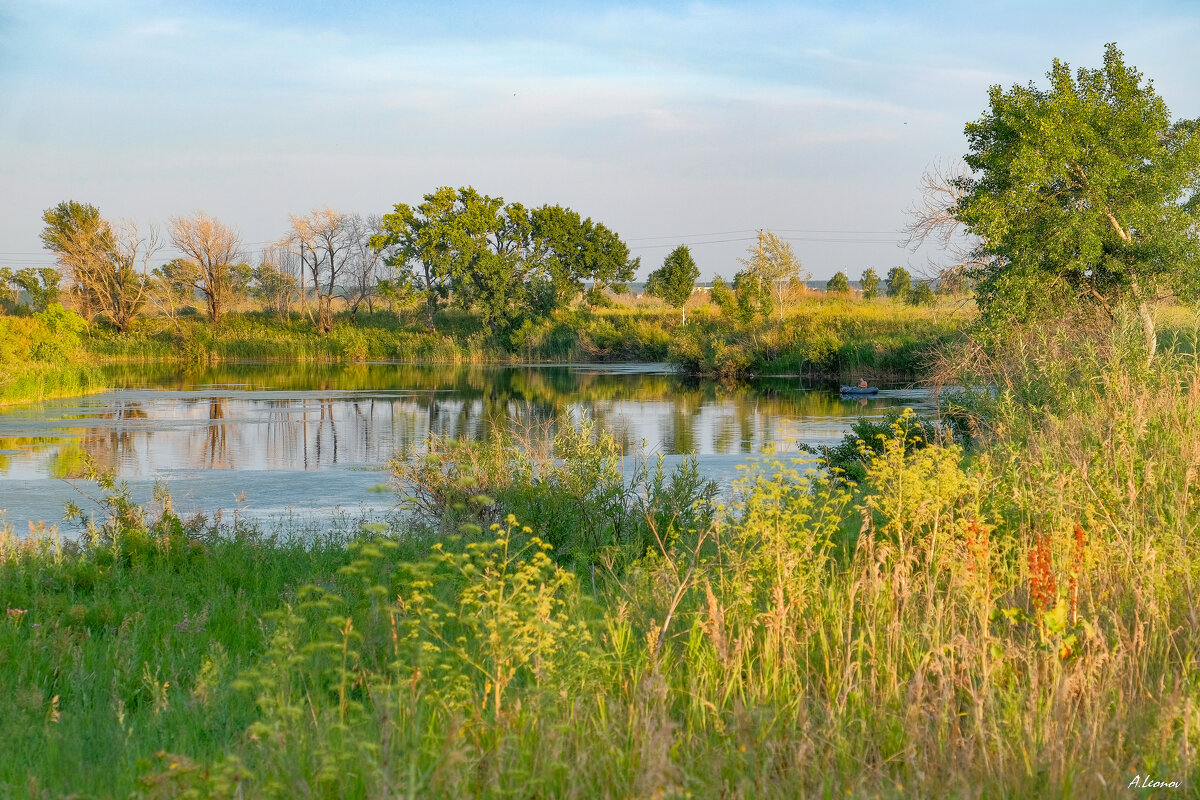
459 247
899 285
109 275
770 277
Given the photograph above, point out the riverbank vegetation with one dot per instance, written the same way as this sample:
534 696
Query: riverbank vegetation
460 278
1017 621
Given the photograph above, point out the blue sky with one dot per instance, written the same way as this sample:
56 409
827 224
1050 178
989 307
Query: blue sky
670 122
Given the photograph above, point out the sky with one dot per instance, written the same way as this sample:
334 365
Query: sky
671 123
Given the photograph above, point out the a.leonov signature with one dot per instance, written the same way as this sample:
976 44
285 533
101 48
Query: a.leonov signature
1147 782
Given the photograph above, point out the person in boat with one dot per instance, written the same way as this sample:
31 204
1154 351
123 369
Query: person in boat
862 383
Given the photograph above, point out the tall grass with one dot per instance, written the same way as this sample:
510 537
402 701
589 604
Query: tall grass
578 334
1020 622
40 357
831 337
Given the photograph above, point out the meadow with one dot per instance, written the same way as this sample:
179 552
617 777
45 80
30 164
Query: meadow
1012 615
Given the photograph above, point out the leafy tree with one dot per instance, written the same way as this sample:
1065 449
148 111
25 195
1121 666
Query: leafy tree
571 250
101 261
507 263
838 284
274 288
723 296
107 265
8 290
174 287
41 284
1084 191
869 283
775 264
421 239
83 242
753 295
394 291
675 280
921 295
899 283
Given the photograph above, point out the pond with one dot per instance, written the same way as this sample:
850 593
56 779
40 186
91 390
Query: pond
310 443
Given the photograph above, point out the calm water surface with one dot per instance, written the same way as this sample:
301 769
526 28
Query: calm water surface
309 442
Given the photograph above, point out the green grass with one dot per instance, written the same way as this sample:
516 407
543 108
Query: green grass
41 357
571 335
821 336
1017 622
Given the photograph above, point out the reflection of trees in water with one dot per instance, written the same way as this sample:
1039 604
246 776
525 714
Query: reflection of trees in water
219 455
409 402
107 447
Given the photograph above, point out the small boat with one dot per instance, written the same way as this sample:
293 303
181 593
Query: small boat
857 390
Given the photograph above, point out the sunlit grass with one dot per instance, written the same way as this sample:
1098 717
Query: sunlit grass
1014 621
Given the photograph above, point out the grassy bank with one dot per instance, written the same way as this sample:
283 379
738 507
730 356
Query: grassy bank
458 338
1016 622
822 336
41 356
819 336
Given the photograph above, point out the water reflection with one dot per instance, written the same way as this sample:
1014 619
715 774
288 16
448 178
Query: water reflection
194 425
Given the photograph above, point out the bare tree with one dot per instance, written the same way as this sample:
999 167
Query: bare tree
215 250
933 220
322 240
123 296
363 265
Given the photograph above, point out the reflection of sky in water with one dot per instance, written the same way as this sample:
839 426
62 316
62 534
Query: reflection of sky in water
215 436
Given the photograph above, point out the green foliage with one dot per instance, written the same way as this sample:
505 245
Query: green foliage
569 484
8 290
675 280
869 283
921 295
1084 191
105 278
788 645
774 267
40 284
838 284
274 288
867 439
899 283
505 262
829 337
753 294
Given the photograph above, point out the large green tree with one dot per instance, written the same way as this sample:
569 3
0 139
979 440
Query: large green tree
675 280
505 262
1083 191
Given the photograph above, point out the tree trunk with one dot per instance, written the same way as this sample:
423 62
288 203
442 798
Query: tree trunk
324 313
1151 337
